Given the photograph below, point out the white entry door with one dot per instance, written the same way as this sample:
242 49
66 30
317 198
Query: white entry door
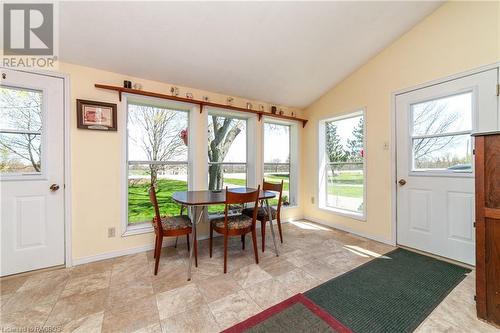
435 198
31 171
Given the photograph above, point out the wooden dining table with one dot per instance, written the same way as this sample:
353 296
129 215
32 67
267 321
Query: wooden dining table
196 201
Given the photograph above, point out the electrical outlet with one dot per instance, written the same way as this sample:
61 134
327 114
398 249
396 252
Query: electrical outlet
386 145
312 200
111 232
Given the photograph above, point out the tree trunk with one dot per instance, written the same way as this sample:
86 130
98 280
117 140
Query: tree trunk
154 174
215 177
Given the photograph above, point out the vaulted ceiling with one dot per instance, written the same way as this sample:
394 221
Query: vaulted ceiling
282 52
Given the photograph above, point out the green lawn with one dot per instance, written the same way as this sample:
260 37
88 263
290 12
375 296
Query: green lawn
339 184
140 208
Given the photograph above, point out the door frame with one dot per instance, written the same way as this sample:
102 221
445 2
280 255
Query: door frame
393 146
68 262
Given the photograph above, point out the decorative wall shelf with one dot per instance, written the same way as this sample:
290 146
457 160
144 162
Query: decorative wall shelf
122 90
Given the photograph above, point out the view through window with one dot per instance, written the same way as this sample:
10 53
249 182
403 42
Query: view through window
441 131
227 154
20 131
345 153
157 154
277 142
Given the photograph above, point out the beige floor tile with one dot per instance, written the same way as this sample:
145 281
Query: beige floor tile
10 285
299 258
88 324
127 293
125 274
178 300
279 267
297 281
44 294
26 319
153 328
101 266
87 283
199 319
129 318
250 275
233 308
47 279
268 293
217 287
323 271
169 278
76 306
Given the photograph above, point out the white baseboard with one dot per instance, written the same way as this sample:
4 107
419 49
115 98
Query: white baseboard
144 248
349 230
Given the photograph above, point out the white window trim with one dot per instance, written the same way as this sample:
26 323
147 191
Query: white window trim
294 157
322 164
142 228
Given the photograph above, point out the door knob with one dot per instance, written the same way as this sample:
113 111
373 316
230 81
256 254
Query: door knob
54 187
402 182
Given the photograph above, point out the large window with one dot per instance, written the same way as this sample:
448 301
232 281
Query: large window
227 153
440 134
277 155
157 154
344 159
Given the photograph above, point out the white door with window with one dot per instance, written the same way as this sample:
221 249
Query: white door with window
31 171
435 198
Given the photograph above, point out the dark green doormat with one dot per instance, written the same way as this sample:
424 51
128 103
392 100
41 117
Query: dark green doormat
393 293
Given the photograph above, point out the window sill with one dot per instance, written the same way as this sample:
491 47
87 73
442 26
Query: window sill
138 229
345 213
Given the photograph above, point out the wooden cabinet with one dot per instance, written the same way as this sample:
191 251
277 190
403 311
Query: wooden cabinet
487 165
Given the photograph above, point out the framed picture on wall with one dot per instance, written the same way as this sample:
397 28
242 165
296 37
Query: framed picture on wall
94 115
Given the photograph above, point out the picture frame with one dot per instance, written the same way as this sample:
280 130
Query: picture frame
93 115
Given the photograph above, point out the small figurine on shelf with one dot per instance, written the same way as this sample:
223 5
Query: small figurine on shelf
230 101
137 86
293 114
127 84
205 98
189 95
174 91
274 109
249 106
282 112
261 107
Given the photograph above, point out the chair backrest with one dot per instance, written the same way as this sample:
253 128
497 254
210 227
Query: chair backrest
266 186
157 217
241 198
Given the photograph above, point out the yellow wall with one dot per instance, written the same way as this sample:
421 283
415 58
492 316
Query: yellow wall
458 36
96 165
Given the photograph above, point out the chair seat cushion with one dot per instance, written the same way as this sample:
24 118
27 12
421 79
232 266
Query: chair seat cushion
262 214
233 222
175 222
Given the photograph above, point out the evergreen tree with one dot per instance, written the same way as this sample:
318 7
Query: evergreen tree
334 147
355 145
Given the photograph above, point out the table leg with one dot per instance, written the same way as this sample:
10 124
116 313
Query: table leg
196 218
270 217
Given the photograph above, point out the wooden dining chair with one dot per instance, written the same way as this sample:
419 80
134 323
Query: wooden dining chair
236 225
262 213
169 226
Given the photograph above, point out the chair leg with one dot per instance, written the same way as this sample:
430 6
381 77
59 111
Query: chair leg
263 233
243 242
195 250
254 241
176 239
156 245
187 239
225 252
158 253
278 220
210 241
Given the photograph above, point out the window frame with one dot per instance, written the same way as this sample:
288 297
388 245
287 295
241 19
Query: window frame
141 228
294 158
323 164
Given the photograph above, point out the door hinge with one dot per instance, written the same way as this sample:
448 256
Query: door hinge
474 151
498 89
474 224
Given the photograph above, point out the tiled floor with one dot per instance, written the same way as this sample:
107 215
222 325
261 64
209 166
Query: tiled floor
122 294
